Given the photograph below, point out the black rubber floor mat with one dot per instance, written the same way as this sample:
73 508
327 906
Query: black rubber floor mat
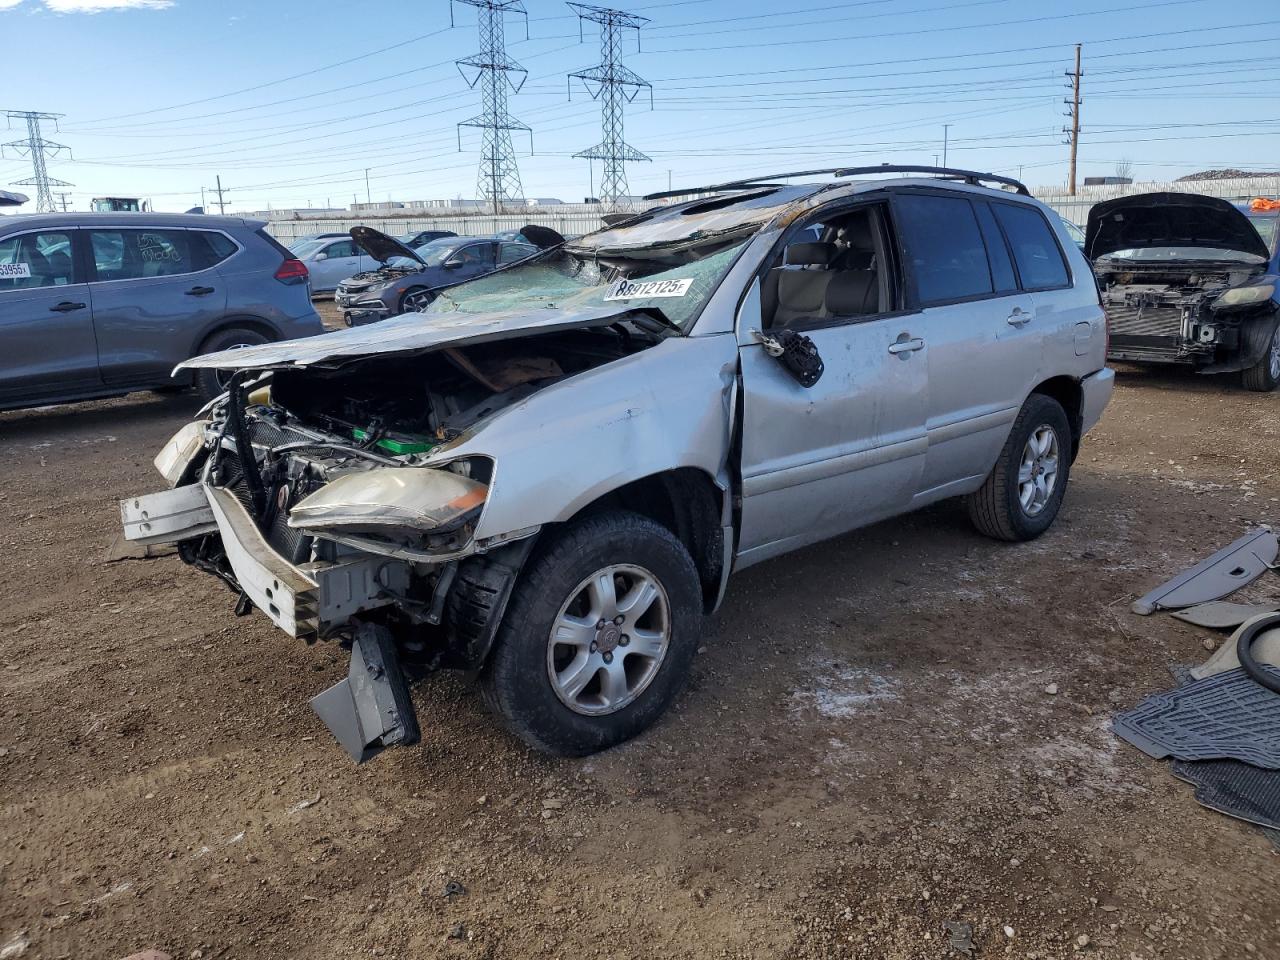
1226 716
1235 788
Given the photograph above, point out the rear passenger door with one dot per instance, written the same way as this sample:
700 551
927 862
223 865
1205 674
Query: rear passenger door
983 348
47 348
156 292
1061 328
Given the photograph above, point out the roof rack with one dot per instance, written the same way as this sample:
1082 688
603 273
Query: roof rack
972 177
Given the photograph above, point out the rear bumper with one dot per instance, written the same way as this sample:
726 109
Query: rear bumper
1096 390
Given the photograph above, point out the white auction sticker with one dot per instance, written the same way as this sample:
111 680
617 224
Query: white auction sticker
15 271
644 289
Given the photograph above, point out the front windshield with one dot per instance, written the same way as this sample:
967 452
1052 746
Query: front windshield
1269 229
1159 254
565 281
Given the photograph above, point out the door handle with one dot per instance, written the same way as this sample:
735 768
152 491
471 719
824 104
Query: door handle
66 306
1019 317
199 291
906 344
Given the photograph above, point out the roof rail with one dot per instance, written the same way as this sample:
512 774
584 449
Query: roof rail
972 177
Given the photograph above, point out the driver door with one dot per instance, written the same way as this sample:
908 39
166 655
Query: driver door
850 450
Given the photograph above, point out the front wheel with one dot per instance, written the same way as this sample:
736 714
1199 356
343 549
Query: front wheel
415 298
598 636
1023 493
1263 376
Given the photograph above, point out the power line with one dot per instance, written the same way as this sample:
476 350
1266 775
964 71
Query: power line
614 85
495 72
38 149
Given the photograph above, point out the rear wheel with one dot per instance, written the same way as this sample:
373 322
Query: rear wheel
1023 493
598 636
210 383
1263 376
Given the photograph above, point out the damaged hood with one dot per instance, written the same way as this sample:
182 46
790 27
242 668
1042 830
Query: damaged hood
1161 220
380 246
407 333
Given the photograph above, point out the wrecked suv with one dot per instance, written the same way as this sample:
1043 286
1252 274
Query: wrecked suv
1191 280
548 475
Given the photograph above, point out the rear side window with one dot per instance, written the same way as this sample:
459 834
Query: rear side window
1039 260
140 254
511 252
208 249
1006 281
943 247
36 260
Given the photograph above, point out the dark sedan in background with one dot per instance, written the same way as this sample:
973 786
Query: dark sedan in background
407 278
102 304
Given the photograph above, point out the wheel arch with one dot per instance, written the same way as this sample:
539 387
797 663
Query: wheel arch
232 322
1069 394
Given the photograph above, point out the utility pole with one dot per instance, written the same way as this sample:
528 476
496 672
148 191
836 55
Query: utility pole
368 196
496 74
38 149
946 131
222 206
1074 113
62 198
614 86
202 203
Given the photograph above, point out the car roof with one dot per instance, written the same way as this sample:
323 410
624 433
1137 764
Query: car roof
38 221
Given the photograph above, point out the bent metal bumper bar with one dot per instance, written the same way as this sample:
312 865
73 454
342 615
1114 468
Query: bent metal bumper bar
371 709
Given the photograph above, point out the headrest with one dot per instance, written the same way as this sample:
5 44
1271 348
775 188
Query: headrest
810 254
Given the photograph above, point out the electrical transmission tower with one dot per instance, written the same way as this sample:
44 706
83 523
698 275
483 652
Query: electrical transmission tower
1073 111
38 149
614 86
496 74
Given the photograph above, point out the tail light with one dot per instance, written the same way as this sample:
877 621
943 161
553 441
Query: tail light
292 271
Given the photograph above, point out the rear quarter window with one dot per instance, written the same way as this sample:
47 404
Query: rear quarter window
1035 251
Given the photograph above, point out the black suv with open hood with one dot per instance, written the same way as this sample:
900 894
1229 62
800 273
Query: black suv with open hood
1187 279
406 278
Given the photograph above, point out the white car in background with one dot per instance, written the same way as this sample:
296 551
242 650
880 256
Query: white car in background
331 260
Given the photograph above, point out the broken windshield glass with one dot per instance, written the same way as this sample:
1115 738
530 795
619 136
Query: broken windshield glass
568 282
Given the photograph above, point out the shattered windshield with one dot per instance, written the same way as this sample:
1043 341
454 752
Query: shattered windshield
566 281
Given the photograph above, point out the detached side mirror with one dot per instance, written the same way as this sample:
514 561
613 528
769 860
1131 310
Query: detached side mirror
320 256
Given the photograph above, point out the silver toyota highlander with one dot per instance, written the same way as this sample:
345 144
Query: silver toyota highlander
547 476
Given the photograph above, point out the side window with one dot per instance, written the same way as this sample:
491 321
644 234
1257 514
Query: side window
476 253
343 248
943 247
511 252
33 260
1006 281
140 254
1040 263
208 248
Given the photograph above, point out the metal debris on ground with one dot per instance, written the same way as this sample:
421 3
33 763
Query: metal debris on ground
1223 614
1235 789
1228 716
454 889
961 936
1232 567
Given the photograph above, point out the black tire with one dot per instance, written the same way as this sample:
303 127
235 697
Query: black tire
405 297
516 680
210 383
996 509
1263 376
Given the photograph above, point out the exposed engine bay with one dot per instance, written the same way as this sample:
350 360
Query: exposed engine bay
1163 312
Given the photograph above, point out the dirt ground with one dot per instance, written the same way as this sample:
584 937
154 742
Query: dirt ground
867 749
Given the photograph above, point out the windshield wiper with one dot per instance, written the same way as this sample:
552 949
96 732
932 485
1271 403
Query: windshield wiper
663 321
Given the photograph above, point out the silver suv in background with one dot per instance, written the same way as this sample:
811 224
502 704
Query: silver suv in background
548 475
97 305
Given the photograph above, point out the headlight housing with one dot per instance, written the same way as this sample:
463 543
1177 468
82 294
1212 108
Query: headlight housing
1248 296
183 447
392 502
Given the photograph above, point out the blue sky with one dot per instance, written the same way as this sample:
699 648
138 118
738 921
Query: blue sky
160 96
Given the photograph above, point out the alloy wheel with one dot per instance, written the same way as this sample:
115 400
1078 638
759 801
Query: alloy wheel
609 640
1038 472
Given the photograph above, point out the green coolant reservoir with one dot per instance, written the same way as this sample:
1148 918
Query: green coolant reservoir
396 443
